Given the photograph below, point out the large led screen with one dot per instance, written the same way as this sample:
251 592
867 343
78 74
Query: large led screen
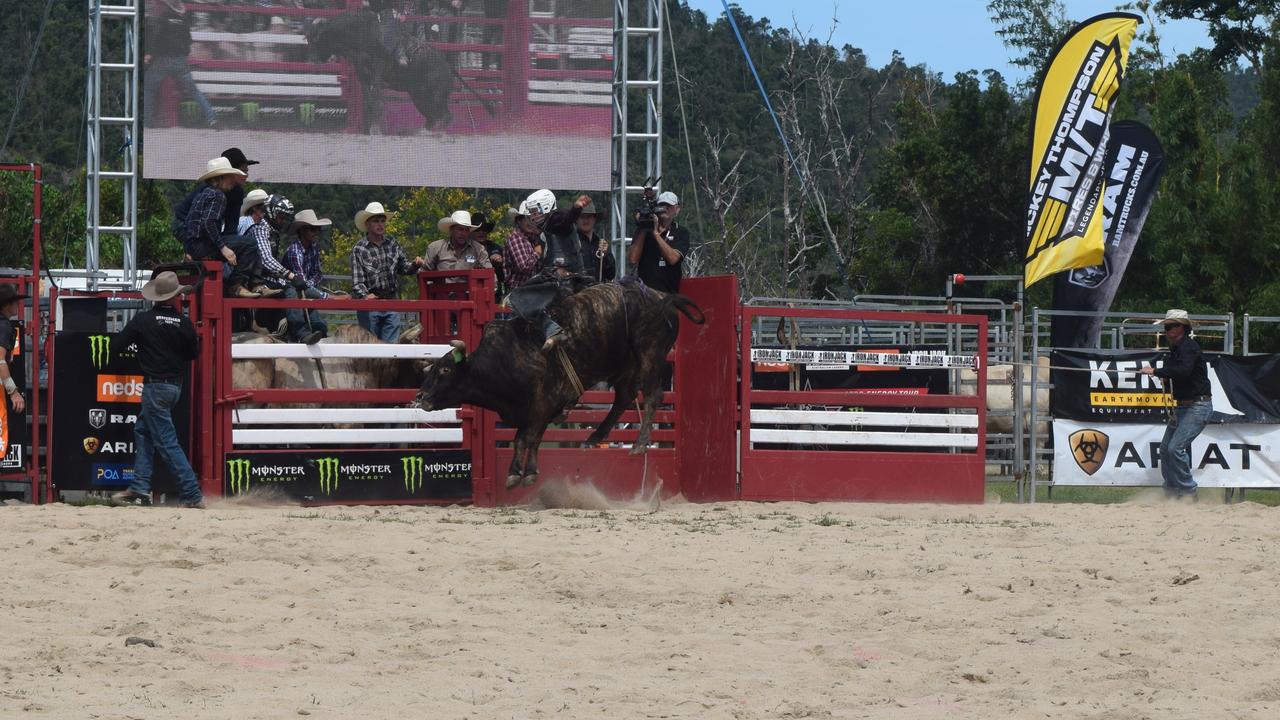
450 93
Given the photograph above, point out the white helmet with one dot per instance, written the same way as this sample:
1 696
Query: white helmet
544 201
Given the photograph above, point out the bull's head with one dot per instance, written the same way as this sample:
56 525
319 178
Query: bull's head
318 45
440 379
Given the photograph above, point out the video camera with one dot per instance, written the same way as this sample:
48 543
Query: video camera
648 210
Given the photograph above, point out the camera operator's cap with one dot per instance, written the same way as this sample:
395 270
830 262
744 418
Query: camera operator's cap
308 218
255 197
668 198
237 158
373 209
458 217
218 166
544 201
1175 316
164 286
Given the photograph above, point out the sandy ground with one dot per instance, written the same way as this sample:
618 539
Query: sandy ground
424 159
693 611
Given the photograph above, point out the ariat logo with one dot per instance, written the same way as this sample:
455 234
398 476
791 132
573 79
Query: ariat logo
238 476
1089 448
328 474
100 350
412 466
91 444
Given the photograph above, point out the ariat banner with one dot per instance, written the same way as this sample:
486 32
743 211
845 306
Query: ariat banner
1121 454
1069 126
352 475
1134 163
1097 386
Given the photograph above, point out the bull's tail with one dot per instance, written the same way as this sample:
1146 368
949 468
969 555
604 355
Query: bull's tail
687 307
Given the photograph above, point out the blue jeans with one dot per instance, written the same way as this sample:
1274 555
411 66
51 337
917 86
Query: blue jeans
164 66
384 325
1175 449
298 327
154 433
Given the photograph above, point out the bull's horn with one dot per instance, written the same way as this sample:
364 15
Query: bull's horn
459 345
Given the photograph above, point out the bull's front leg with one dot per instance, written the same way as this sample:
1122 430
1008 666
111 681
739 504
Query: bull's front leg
531 464
652 398
516 471
622 397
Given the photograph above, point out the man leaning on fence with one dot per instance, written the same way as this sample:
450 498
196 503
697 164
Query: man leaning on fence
376 261
1184 366
302 257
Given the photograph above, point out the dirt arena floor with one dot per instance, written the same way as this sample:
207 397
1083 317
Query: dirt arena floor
734 610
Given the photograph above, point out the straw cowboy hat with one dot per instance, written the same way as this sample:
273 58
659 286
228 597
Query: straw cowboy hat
218 166
308 218
459 217
164 286
255 197
1175 316
373 209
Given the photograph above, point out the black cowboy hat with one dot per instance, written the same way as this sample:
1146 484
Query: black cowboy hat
482 223
9 293
237 158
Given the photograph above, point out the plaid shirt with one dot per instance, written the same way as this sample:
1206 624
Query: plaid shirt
204 223
374 268
520 259
304 262
261 234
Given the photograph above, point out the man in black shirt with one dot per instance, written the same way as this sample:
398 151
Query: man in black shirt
166 342
597 261
658 251
1185 368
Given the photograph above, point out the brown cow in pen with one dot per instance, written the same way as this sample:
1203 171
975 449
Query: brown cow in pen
614 333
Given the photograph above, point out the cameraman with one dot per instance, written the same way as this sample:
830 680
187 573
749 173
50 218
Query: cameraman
659 245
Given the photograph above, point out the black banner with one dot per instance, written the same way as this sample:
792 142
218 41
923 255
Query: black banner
352 475
867 378
1109 387
96 399
1134 163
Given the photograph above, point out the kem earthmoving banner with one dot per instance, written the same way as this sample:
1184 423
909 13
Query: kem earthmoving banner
1069 127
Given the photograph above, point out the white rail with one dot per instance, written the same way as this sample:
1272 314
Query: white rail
309 436
859 418
857 437
316 416
397 351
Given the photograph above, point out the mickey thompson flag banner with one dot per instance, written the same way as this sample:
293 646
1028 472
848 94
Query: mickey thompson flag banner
1135 161
1069 126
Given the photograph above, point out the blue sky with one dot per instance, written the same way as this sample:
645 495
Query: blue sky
947 35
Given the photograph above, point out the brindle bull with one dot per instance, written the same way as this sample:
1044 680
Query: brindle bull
614 333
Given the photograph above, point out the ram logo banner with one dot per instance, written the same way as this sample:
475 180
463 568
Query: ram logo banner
1069 126
328 468
1134 164
1089 448
100 350
97 418
412 466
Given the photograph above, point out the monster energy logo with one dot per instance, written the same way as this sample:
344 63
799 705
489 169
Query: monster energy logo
249 111
100 350
412 465
307 113
190 111
328 474
238 476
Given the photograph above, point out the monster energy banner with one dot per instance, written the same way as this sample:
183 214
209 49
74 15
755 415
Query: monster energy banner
1069 127
1238 456
1135 161
1108 387
353 476
96 398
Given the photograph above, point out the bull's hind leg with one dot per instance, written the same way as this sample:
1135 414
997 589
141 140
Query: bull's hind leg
516 471
531 464
652 398
622 397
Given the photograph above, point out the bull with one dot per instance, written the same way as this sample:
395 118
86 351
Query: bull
614 333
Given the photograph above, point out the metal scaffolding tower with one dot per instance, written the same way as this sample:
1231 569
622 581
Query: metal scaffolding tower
640 132
111 112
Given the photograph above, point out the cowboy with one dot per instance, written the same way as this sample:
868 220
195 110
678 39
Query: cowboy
376 260
560 261
523 249
254 207
597 261
1184 366
202 226
460 251
15 403
166 342
302 260
235 196
658 249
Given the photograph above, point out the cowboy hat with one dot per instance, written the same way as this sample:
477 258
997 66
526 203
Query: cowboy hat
308 218
589 208
459 217
255 197
373 209
237 158
1175 316
482 223
164 286
218 166
9 293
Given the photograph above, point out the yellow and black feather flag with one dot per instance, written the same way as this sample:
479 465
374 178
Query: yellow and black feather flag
1069 128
